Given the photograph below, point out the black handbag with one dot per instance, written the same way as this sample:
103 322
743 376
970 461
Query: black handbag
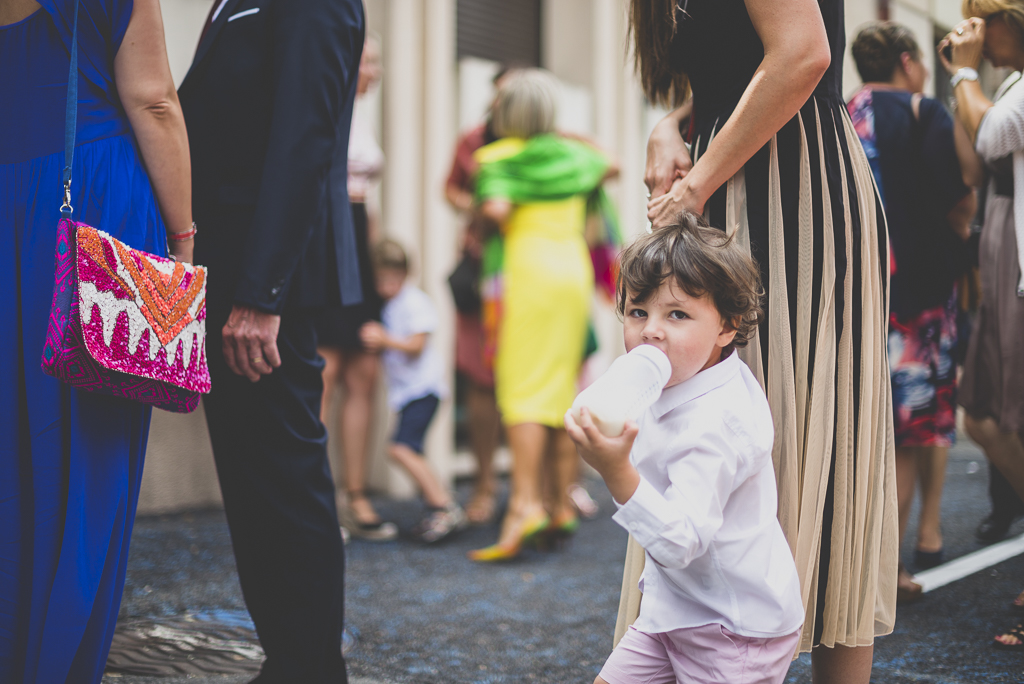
465 284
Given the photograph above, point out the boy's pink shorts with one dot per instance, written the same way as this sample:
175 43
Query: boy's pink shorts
701 655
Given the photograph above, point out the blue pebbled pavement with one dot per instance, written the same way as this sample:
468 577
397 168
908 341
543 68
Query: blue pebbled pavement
427 615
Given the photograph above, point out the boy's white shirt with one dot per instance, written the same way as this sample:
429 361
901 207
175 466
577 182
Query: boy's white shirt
408 313
705 510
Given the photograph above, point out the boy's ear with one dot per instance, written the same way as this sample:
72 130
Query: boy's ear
728 333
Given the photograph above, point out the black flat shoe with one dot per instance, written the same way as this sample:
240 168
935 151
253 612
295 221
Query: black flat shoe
994 528
927 559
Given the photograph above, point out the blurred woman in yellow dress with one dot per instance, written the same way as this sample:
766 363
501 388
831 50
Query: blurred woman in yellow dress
538 285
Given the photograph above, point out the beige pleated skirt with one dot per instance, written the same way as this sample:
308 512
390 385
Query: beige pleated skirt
806 207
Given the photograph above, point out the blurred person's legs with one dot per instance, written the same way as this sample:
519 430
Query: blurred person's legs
528 443
484 431
484 419
406 449
1003 449
906 481
841 664
359 371
270 448
434 493
922 367
443 516
1006 508
931 469
565 471
924 467
526 516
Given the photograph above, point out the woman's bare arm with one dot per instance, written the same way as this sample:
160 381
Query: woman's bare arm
144 83
961 215
796 55
966 50
970 163
13 11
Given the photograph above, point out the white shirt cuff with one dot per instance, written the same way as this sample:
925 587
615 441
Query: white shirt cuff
645 514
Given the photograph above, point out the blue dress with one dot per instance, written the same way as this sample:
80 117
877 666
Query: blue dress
70 462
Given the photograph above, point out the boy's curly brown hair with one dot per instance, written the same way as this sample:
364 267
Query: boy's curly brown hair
703 261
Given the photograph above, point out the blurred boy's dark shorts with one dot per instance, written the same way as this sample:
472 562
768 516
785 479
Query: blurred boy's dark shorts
413 421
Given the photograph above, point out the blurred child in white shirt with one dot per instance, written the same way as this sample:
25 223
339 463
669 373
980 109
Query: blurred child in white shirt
693 479
415 385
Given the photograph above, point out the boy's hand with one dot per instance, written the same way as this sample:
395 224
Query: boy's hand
609 456
372 335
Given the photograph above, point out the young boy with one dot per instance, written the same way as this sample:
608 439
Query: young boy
415 386
693 480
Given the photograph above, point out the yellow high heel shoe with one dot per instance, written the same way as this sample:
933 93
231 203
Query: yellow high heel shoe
532 526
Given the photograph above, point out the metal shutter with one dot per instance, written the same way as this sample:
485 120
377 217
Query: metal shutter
506 31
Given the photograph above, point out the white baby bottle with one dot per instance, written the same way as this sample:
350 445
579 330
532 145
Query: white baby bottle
630 385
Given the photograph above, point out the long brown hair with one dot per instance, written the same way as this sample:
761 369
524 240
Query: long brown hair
652 27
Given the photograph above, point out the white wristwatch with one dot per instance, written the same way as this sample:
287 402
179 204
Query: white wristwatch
963 74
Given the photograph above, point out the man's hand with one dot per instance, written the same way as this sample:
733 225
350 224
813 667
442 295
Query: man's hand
250 342
372 335
609 456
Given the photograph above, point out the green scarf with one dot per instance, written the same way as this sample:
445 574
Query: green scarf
548 168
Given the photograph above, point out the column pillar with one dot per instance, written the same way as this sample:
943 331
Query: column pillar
403 122
605 60
402 184
438 245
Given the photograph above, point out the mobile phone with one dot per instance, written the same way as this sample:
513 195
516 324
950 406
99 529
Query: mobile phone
947 52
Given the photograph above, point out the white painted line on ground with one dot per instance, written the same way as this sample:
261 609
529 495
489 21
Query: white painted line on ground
971 563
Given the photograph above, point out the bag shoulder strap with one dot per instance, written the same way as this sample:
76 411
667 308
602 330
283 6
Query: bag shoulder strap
70 119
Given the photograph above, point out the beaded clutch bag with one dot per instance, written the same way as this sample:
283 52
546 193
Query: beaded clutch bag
126 322
123 322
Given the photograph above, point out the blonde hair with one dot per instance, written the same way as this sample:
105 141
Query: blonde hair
526 104
1012 11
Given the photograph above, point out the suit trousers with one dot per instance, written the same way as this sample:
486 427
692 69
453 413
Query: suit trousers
270 448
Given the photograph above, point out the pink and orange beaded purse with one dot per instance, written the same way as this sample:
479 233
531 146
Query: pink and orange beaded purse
123 322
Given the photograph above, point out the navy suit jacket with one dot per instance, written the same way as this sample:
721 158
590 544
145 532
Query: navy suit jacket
268 106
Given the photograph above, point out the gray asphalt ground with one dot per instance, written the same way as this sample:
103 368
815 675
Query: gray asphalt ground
427 615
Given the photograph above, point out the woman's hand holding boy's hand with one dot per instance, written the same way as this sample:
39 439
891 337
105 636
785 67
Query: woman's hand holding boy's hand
609 456
664 209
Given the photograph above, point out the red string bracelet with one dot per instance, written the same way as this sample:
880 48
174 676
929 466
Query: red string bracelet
183 236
